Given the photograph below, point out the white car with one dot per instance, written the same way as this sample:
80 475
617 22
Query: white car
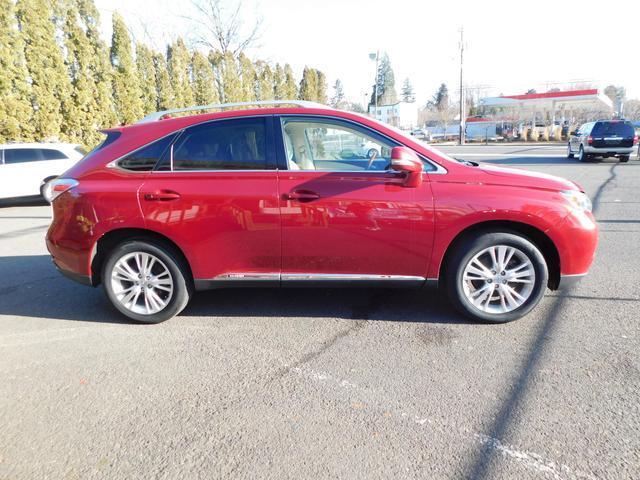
368 149
26 167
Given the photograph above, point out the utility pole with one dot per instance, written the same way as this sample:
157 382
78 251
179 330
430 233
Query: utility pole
462 100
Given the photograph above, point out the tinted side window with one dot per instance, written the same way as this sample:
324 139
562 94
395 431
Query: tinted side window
22 155
222 145
622 129
145 158
50 154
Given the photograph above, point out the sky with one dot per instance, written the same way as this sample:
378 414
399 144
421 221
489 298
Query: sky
510 47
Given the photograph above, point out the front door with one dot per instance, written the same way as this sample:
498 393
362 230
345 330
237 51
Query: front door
215 194
345 214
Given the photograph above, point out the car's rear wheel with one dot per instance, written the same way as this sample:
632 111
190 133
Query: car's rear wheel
582 156
569 152
146 281
496 277
624 158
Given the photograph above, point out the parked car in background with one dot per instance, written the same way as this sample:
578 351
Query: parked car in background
266 197
368 149
604 138
26 167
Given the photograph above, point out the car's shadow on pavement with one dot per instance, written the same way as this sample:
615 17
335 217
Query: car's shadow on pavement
30 286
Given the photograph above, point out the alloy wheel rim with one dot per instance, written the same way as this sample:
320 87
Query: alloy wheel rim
498 279
142 283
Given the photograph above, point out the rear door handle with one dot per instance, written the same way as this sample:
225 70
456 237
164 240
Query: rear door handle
301 195
162 196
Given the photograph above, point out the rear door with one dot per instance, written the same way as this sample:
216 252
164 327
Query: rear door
345 215
215 194
613 134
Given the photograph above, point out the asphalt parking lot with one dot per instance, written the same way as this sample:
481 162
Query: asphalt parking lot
327 383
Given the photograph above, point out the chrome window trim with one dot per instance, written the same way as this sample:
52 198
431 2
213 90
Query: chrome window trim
439 169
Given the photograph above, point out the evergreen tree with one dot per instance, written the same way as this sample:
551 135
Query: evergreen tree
15 92
337 101
164 90
407 92
309 85
217 65
204 87
126 84
50 84
147 74
440 99
231 84
249 78
100 66
279 85
265 82
321 88
385 80
83 117
290 86
178 60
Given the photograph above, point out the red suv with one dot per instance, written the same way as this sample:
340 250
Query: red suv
284 196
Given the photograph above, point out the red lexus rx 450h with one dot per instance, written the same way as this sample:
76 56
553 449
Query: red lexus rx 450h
303 195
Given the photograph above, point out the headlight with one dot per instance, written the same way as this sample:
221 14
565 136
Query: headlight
578 200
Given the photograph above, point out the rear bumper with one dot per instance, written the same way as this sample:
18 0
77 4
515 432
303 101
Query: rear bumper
609 150
76 277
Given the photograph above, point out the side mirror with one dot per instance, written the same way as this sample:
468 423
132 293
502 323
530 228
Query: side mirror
404 159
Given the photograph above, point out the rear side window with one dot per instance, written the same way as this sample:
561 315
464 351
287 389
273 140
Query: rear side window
145 158
50 154
222 145
621 129
22 155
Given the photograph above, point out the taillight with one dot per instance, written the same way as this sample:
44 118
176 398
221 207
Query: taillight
589 140
56 187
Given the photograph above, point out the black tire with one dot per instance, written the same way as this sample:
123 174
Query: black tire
468 249
582 156
179 271
569 152
624 158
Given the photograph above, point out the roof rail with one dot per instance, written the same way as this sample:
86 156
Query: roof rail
152 117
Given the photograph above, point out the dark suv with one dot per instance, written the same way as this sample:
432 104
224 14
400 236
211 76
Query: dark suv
604 138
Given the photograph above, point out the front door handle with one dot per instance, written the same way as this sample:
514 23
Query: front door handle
162 196
301 195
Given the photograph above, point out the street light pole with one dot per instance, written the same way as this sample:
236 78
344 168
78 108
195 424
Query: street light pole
462 113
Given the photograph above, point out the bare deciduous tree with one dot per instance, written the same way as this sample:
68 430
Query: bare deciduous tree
222 27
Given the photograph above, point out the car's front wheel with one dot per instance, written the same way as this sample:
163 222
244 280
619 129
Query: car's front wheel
146 281
496 277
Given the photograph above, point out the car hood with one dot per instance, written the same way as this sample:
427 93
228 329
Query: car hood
527 178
